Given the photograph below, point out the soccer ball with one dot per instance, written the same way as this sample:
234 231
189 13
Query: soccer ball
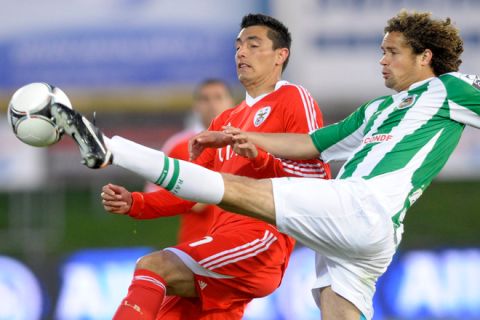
30 117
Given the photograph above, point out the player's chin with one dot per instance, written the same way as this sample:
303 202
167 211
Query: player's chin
389 84
244 71
243 77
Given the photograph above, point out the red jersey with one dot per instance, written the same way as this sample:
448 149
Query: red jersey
289 108
231 238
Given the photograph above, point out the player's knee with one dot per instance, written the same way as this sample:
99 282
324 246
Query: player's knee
169 267
157 262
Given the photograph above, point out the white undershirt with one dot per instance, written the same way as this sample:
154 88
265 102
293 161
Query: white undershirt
250 101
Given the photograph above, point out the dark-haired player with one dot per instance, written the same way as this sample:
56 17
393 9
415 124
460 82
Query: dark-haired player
240 258
211 97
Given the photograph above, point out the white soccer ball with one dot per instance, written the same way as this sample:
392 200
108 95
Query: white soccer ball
29 113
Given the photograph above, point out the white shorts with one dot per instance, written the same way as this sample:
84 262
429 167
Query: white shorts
348 228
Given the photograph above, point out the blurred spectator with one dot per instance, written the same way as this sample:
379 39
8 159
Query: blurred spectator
211 97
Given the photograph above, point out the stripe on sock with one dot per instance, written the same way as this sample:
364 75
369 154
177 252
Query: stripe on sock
164 174
176 173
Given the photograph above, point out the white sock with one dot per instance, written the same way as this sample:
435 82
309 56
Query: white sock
187 180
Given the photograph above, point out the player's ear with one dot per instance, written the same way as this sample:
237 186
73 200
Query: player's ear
426 57
282 55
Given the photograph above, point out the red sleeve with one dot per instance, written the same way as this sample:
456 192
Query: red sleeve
161 203
180 151
301 114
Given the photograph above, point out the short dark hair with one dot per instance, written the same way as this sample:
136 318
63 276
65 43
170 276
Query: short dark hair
277 32
422 32
211 81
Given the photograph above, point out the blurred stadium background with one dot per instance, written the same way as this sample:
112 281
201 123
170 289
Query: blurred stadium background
136 62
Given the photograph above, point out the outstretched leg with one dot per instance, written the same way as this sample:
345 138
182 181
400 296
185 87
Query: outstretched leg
250 197
187 180
242 195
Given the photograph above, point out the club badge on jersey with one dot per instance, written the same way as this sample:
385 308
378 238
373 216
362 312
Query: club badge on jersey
408 101
476 83
261 116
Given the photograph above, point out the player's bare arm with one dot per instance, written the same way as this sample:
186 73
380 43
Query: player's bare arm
284 145
218 139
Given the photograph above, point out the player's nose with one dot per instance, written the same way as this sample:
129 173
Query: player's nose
383 60
240 53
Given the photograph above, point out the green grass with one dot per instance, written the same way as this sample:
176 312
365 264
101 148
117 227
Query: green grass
447 215
3 210
90 226
85 225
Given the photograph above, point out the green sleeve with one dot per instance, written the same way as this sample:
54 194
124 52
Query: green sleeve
463 95
333 134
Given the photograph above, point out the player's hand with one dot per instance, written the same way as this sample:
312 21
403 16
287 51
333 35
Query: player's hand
207 139
245 149
116 199
242 145
232 131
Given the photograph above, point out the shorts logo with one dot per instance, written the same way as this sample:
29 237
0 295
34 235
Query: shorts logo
261 116
202 284
133 306
408 101
205 239
414 196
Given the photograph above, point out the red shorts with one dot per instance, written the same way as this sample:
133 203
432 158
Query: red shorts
236 263
179 308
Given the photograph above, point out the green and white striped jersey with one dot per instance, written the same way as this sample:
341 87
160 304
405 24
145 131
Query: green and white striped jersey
397 144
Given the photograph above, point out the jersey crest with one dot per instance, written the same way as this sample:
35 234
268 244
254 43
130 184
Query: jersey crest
408 101
261 115
476 83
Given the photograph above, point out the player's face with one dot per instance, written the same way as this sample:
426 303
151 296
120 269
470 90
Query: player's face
255 58
400 66
211 100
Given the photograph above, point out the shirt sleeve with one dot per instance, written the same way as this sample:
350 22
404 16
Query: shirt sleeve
463 96
160 203
337 141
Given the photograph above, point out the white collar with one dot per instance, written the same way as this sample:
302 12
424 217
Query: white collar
418 84
250 101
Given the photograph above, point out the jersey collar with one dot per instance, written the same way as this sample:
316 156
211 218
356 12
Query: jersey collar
250 101
419 83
